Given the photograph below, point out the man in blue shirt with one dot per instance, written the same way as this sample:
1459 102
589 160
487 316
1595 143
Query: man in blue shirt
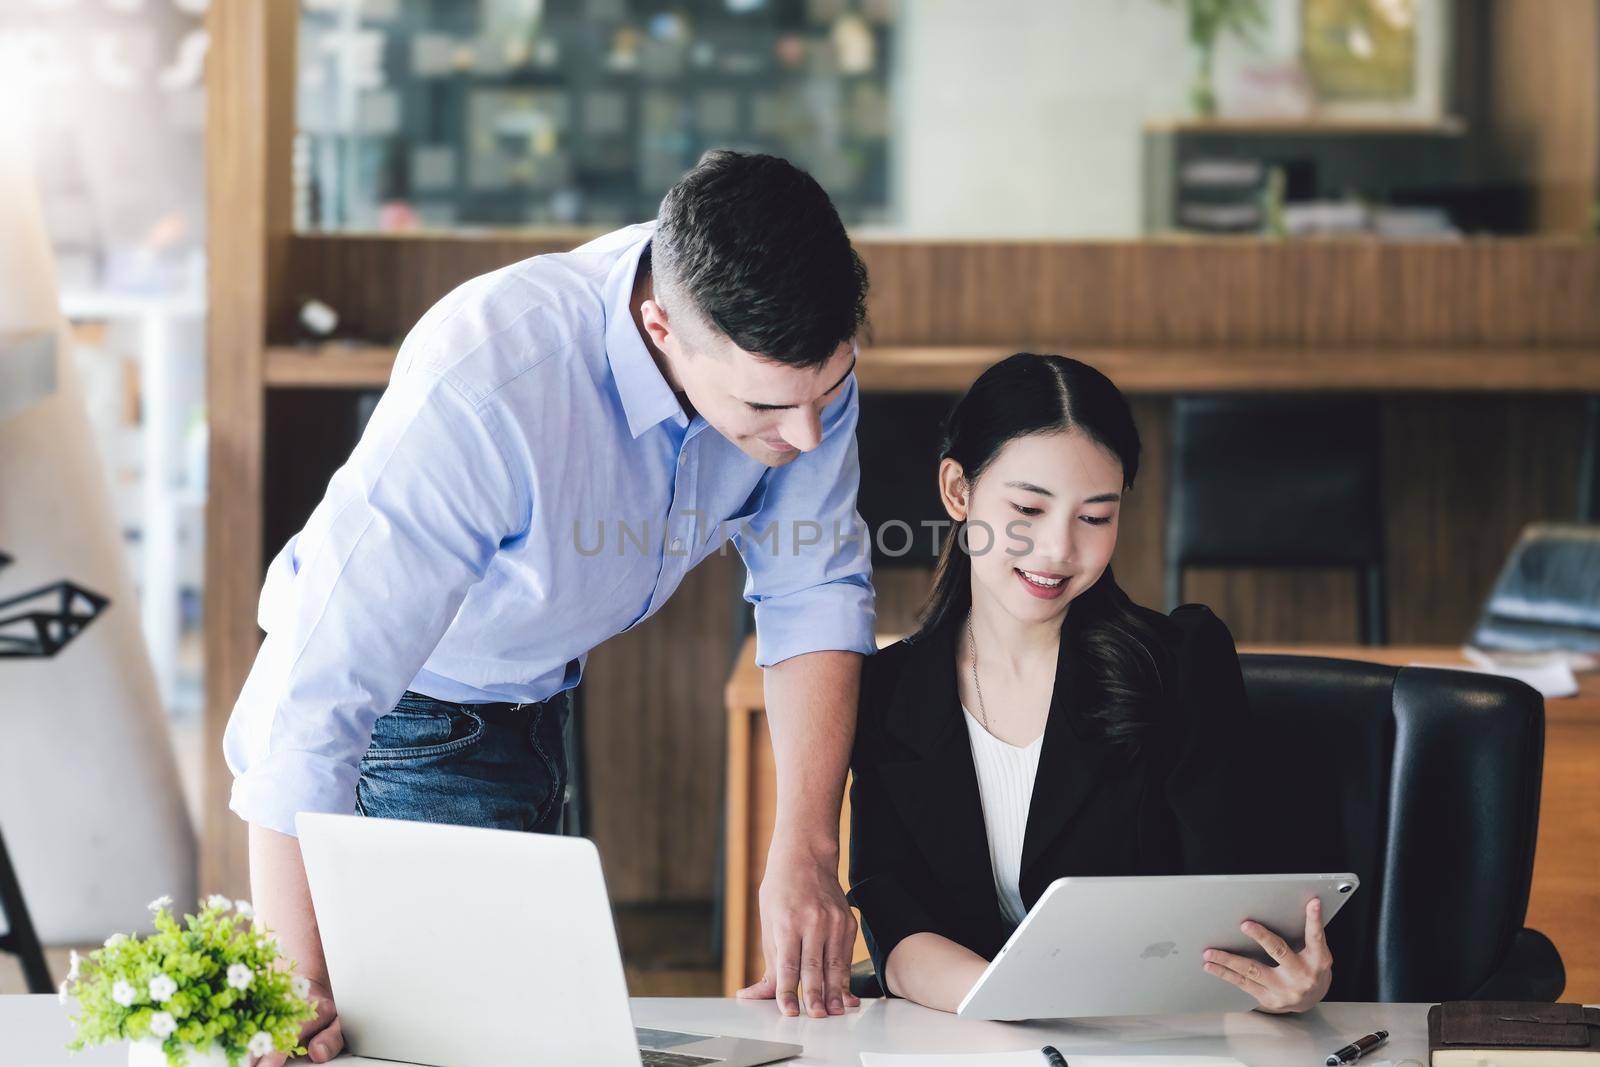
560 442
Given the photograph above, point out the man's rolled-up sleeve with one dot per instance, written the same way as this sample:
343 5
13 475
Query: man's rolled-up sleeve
807 551
356 603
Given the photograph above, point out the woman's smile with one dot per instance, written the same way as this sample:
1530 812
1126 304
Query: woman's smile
1042 584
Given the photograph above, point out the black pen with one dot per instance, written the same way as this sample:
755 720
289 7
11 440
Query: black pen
1357 1049
1056 1059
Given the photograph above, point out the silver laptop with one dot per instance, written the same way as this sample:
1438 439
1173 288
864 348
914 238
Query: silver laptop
1131 946
459 947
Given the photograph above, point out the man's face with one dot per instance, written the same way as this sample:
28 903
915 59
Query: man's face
771 411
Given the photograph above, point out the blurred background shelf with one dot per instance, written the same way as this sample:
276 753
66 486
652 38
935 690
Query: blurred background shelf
1141 369
334 365
1310 125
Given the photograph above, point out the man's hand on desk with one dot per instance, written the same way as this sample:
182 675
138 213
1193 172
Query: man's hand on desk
322 1038
808 934
283 905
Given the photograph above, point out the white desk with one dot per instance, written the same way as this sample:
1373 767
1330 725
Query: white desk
33 1031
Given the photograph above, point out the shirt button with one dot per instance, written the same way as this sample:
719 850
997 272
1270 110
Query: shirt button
677 544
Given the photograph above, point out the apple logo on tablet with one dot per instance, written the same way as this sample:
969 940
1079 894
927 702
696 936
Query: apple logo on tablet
1159 951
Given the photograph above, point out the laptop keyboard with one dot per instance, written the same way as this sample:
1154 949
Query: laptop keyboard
653 1042
654 1058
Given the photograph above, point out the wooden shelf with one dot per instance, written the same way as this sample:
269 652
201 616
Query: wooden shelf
328 366
1144 369
1325 126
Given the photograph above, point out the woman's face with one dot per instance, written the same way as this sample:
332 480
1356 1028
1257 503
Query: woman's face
1052 502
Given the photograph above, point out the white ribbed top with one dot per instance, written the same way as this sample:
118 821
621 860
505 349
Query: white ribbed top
1005 785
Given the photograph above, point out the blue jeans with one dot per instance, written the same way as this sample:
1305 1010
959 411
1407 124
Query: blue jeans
501 766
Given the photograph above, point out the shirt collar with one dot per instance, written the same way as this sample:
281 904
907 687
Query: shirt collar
647 399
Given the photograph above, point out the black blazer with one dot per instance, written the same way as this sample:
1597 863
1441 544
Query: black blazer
1174 803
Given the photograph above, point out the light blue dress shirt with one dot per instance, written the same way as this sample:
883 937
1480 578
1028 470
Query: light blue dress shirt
528 487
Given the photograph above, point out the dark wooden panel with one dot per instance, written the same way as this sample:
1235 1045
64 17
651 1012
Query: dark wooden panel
656 735
1462 476
1250 292
1018 294
1142 526
901 592
1281 605
382 283
309 435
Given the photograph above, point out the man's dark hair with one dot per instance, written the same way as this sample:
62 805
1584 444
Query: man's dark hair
754 243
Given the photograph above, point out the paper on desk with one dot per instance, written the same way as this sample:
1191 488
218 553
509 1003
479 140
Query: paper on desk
1551 679
1034 1058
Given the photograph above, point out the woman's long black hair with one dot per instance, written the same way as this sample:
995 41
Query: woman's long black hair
1113 645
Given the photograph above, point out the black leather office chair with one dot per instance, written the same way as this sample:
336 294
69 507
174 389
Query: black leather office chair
1260 481
19 939
1425 783
1589 464
898 437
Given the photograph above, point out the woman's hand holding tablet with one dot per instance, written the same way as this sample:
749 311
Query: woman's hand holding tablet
1295 982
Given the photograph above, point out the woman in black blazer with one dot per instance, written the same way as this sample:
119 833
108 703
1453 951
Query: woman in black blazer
1031 657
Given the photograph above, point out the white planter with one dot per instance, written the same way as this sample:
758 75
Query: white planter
148 1053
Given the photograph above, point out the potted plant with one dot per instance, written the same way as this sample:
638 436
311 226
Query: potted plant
1208 21
209 991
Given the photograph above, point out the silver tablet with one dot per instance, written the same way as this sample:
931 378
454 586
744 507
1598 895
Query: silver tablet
1132 946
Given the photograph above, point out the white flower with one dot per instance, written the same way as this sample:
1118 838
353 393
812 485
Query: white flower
159 903
115 939
217 900
61 995
162 988
245 909
260 1044
301 986
73 961
162 1023
240 976
123 993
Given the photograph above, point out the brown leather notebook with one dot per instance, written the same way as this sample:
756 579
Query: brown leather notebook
1476 1033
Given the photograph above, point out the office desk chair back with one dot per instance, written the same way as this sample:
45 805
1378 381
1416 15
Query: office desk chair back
898 438
476 948
1279 481
1425 783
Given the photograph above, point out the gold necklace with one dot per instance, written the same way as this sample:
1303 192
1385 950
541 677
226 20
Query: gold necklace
972 643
